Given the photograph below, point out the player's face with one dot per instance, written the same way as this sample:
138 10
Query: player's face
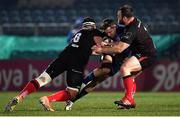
111 31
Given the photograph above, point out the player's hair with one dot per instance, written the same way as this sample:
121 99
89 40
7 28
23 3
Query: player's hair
88 23
127 11
107 23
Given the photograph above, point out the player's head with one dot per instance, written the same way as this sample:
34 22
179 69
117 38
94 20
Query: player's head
109 27
124 14
89 23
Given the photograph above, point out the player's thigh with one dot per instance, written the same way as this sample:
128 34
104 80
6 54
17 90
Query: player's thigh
56 67
74 79
132 64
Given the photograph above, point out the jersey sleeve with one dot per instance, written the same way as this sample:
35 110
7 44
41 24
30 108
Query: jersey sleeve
128 36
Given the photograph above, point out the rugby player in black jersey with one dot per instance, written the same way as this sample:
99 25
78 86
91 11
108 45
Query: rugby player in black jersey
72 59
137 39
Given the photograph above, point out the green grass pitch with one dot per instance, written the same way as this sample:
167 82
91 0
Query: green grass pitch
98 104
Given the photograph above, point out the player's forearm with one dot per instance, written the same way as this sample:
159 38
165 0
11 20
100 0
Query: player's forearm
115 48
110 50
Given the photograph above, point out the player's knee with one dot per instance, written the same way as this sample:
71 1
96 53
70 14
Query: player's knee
43 79
123 69
108 59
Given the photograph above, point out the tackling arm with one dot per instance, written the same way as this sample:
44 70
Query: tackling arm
114 49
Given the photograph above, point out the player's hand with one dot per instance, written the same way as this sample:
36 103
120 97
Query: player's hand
104 43
97 49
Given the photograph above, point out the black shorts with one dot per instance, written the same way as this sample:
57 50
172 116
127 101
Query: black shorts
74 78
145 61
74 74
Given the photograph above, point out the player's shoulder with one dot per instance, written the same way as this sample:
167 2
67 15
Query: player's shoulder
133 26
139 24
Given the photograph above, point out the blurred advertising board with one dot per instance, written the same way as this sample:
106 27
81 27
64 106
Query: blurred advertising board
163 76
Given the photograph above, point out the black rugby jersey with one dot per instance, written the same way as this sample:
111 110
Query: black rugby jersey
79 50
139 39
